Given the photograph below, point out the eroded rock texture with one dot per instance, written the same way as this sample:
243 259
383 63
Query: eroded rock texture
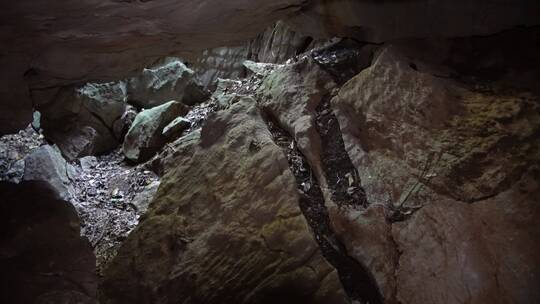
66 42
414 164
225 227
43 258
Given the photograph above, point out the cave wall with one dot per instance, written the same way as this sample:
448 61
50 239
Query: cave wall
65 42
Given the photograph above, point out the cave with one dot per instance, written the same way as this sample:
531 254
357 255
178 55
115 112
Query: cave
257 152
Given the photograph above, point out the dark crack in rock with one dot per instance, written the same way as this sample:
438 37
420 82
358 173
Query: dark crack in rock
357 281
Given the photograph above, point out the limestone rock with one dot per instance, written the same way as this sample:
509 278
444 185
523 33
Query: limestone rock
225 225
428 134
43 258
486 252
291 95
80 120
175 128
145 137
259 68
222 62
383 21
121 125
143 199
47 165
105 100
133 34
160 84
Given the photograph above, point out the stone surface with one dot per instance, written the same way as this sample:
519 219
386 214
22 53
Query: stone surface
47 165
225 230
80 120
107 101
87 41
486 252
145 137
13 149
175 128
452 151
165 82
73 42
376 21
42 256
291 94
121 125
145 197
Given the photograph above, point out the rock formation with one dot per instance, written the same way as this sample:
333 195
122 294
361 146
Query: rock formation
145 137
42 256
352 152
72 42
391 148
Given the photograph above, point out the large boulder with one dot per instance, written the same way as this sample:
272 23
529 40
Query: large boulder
42 255
47 165
432 144
446 148
80 120
160 84
225 226
145 137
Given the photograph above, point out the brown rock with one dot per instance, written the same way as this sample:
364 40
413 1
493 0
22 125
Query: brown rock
486 252
225 227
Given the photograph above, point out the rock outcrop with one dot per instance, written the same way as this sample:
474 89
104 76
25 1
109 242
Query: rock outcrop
47 165
163 83
74 42
145 137
43 258
225 227
414 163
80 120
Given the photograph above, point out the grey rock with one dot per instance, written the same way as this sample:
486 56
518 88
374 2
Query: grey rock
36 121
170 81
121 126
16 172
145 136
259 68
80 119
88 162
46 164
143 199
176 127
105 100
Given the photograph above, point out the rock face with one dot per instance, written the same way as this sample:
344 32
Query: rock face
163 83
42 256
379 22
488 254
47 165
277 44
73 42
145 137
81 120
414 164
459 145
226 227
